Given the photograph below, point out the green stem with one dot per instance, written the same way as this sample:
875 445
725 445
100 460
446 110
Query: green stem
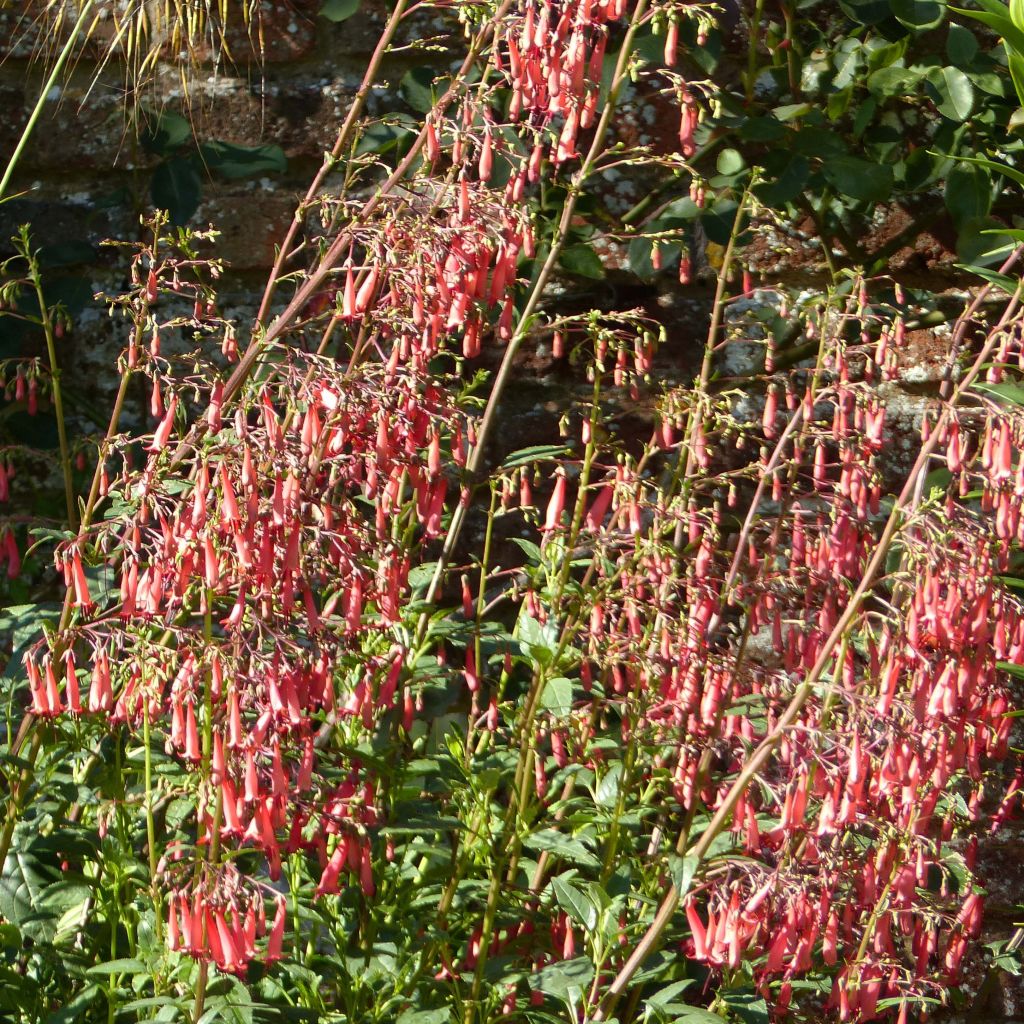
755 24
37 110
58 400
574 190
151 824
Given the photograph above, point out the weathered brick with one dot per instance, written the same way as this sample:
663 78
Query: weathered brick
250 222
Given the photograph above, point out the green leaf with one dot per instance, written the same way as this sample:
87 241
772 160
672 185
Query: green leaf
556 979
919 15
858 179
1015 62
719 220
535 453
695 1015
151 1002
730 161
961 45
663 999
952 92
983 241
1012 394
439 1016
24 880
1009 666
997 16
683 869
557 697
867 12
75 1008
385 136
890 82
581 260
417 88
1003 282
749 1007
536 639
609 786
235 162
125 966
558 844
575 903
67 254
338 10
786 175
176 188
531 550
165 132
1000 168
968 192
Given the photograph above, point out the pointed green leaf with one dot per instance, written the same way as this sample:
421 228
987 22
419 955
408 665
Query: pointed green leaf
575 903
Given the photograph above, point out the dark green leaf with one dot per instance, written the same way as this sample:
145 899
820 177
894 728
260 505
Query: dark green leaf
76 1008
786 175
961 45
177 189
719 221
859 179
417 88
66 254
569 849
749 1007
556 979
235 162
640 256
730 161
968 192
919 15
983 241
952 92
438 1016
867 12
338 10
581 260
165 132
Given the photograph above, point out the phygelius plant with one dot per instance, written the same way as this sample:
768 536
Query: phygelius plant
728 738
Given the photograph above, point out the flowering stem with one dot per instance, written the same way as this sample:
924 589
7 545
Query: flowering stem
696 417
475 461
58 402
804 691
358 102
335 251
28 720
